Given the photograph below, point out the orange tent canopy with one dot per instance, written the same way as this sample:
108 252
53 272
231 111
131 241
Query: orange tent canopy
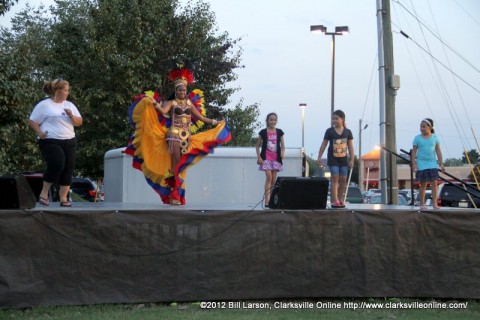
372 155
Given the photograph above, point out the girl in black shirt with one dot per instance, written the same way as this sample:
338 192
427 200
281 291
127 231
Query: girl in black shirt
339 139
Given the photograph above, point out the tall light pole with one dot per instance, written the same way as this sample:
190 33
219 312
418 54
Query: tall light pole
302 107
338 32
360 162
304 156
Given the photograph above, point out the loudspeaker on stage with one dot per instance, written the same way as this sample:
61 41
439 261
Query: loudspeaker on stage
16 193
299 193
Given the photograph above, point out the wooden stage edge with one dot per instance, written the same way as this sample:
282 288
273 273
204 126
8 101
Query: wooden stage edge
224 207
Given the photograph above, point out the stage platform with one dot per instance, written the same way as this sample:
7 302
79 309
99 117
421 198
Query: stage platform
110 252
118 206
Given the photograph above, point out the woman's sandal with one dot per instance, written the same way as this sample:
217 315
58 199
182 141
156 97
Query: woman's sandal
175 202
43 201
65 204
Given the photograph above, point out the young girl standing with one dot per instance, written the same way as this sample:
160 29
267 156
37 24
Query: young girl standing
271 154
425 146
339 139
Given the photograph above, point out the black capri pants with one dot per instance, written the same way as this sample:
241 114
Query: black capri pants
59 156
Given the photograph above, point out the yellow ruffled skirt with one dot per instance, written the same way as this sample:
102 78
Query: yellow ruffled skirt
151 155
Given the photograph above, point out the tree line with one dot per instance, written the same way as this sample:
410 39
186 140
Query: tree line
111 51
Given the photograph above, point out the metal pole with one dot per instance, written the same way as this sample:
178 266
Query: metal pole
333 76
368 178
381 82
390 190
302 107
412 200
303 128
360 162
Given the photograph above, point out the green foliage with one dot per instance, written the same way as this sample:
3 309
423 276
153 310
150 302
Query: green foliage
452 162
18 93
109 51
475 174
312 167
402 160
243 124
5 6
473 156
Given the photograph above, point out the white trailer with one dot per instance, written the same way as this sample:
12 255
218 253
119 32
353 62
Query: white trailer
227 177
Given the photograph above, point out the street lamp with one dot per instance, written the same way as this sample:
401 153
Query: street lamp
338 32
360 162
302 107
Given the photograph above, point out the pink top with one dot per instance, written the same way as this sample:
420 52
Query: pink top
271 152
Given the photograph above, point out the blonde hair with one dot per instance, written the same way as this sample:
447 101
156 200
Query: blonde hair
49 87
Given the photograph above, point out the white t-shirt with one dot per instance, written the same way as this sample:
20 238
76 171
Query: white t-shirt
52 117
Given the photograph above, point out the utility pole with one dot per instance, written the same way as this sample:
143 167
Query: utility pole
388 162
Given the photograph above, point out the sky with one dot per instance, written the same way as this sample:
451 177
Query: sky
286 64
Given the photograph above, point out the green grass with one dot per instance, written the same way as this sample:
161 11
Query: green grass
194 311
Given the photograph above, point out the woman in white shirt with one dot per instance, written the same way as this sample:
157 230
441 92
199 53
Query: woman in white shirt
53 119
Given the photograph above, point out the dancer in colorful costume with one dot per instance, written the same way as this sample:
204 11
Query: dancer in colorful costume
165 142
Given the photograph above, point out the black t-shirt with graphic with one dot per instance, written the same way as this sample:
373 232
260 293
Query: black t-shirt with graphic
337 146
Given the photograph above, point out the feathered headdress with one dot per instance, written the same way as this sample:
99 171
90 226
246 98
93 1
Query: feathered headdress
181 76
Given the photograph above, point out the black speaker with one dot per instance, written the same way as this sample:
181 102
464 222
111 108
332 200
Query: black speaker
299 193
16 193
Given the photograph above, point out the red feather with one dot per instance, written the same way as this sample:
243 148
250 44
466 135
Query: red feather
182 73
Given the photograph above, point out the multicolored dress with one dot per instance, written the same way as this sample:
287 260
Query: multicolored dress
149 145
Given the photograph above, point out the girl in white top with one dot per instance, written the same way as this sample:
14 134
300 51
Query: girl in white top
53 119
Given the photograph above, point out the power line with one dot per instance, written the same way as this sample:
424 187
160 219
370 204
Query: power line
441 63
468 13
443 89
438 37
453 78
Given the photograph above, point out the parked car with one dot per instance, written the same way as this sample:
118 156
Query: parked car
406 193
403 196
370 193
377 199
87 189
450 194
428 198
354 195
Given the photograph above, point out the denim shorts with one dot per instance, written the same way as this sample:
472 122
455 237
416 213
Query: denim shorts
339 170
427 175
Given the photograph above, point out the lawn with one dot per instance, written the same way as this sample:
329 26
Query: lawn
424 309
